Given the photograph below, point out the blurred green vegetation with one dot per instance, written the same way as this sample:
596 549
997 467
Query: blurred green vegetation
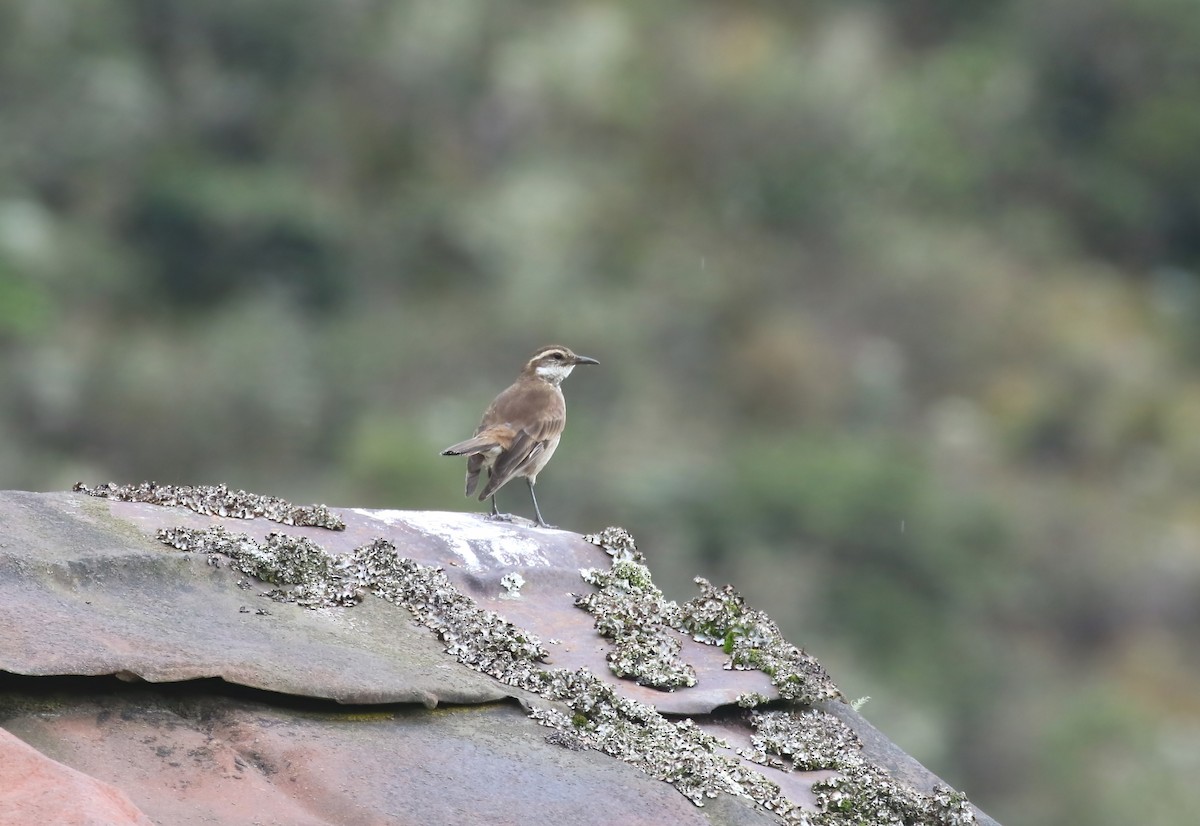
897 304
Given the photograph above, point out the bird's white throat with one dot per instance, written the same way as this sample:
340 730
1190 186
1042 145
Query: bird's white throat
554 372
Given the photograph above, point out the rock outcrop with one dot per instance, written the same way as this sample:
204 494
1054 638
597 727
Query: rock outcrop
163 663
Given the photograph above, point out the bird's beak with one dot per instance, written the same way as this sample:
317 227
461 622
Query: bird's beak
585 360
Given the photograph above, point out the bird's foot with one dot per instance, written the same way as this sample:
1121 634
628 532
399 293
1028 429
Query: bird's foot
513 519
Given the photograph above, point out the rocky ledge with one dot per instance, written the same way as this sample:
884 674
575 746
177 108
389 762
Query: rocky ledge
178 655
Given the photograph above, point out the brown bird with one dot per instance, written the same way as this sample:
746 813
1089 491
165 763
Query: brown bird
521 427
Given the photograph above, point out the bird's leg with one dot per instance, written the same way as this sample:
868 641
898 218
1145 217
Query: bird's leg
496 515
541 522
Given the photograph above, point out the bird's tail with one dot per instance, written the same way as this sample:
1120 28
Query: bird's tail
483 443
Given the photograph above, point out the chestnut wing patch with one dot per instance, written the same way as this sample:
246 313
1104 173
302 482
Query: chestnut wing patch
526 446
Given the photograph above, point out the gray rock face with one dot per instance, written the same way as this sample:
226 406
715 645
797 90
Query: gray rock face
354 713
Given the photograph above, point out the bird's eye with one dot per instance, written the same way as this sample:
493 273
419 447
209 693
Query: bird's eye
557 356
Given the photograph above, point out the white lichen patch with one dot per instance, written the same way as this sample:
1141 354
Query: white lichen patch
753 640
680 753
476 637
632 612
218 500
617 543
308 575
511 583
808 740
752 699
469 537
867 788
629 600
811 740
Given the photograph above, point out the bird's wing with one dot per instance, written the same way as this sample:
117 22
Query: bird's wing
527 445
487 442
474 465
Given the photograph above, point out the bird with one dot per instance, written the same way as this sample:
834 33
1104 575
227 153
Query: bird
520 429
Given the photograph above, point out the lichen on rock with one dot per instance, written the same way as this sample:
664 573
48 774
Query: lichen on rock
812 739
511 583
631 611
753 640
218 500
311 575
700 765
807 740
678 752
478 638
865 788
617 543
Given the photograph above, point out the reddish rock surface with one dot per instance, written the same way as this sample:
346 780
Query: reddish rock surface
195 759
35 789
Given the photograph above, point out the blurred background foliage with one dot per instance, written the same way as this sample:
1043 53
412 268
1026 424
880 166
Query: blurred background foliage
897 304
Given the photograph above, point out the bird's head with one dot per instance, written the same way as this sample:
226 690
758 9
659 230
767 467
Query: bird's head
554 363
